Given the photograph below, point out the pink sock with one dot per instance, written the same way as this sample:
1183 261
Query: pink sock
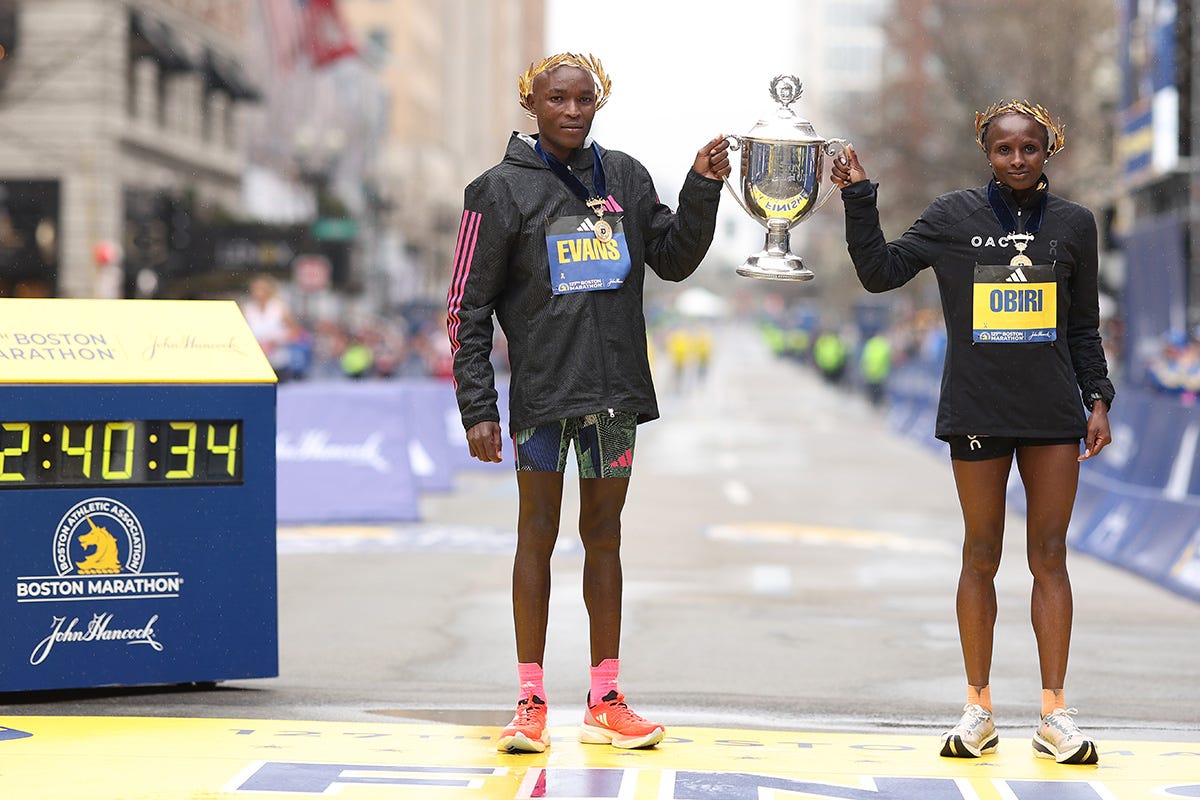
530 676
604 679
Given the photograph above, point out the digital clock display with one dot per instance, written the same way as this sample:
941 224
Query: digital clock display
58 453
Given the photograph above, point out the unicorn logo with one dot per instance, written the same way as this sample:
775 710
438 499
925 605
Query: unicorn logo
103 558
99 536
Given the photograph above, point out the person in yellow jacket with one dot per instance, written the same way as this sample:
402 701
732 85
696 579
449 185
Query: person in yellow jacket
874 364
829 354
679 348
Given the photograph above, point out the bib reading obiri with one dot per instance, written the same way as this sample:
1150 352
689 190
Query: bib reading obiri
1015 304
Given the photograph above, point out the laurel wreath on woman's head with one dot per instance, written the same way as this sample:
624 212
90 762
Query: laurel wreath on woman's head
588 62
1056 133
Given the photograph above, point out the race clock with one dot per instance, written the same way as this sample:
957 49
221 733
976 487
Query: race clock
137 477
126 452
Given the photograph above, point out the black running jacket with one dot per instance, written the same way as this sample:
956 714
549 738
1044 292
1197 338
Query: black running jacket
569 354
1028 389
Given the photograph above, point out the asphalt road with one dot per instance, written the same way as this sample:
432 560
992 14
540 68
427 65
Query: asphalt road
790 563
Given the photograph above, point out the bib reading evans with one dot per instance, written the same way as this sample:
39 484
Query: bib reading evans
1015 304
579 262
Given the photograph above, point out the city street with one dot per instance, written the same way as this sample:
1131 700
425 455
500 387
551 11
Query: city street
790 569
247 247
790 563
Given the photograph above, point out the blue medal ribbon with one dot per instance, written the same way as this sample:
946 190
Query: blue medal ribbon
564 174
1004 214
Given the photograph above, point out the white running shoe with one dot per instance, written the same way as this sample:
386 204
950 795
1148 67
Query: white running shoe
1058 737
973 736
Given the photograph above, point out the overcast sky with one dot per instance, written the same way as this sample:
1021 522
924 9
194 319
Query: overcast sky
682 71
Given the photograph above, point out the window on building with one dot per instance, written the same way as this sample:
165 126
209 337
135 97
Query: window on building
852 59
380 38
154 40
377 45
858 13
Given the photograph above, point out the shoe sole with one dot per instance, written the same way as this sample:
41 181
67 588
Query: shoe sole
955 747
594 734
520 743
1086 753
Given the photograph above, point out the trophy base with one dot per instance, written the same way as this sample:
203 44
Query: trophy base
773 267
776 261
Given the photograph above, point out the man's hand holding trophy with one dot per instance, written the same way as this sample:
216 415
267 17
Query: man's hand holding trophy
781 169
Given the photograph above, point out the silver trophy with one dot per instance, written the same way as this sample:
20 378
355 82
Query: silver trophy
782 166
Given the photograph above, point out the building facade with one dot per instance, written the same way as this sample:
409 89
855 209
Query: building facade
450 68
121 119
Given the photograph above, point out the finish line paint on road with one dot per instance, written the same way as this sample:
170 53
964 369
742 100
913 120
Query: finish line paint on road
142 758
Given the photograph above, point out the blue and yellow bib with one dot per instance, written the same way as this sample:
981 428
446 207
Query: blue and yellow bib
580 262
1015 304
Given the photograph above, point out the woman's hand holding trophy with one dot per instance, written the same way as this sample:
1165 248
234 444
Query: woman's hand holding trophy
781 169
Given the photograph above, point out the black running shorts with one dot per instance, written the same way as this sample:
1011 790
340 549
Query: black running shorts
983 448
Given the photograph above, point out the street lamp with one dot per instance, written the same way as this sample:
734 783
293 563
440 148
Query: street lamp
317 153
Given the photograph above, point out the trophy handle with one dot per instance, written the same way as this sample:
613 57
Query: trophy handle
735 144
831 147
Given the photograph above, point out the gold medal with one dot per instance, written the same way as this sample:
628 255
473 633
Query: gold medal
602 230
1020 241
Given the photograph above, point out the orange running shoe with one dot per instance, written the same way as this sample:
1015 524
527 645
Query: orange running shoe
527 732
611 721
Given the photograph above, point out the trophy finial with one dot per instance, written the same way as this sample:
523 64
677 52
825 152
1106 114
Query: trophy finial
786 89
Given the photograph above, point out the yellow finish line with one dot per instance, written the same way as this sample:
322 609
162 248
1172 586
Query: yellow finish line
138 758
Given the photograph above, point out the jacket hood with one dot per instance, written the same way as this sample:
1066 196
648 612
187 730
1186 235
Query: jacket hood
520 152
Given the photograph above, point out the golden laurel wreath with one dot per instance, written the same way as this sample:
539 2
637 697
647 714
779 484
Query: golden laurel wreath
588 62
1056 133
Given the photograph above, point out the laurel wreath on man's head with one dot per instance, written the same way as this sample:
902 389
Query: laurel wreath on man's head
1056 133
588 62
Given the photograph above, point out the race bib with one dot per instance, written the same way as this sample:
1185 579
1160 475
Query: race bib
579 261
1015 304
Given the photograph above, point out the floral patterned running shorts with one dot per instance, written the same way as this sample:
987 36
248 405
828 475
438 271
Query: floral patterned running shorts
603 445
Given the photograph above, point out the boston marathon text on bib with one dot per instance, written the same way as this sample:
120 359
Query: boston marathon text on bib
580 262
1015 304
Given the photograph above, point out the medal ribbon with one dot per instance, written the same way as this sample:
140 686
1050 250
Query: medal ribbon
1004 214
594 200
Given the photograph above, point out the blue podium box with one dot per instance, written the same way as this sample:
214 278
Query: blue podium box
137 473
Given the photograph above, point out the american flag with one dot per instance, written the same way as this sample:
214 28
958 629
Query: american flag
310 29
327 38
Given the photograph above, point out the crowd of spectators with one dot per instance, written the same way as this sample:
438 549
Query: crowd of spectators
860 351
411 342
1176 368
406 343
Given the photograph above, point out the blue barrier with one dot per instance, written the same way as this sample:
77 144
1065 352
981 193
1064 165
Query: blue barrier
1145 492
363 452
351 452
912 403
1138 505
437 445
342 454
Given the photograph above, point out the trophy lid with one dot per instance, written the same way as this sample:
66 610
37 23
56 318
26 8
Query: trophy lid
786 126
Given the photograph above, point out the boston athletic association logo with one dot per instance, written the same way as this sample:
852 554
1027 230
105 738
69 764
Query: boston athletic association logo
86 543
99 551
